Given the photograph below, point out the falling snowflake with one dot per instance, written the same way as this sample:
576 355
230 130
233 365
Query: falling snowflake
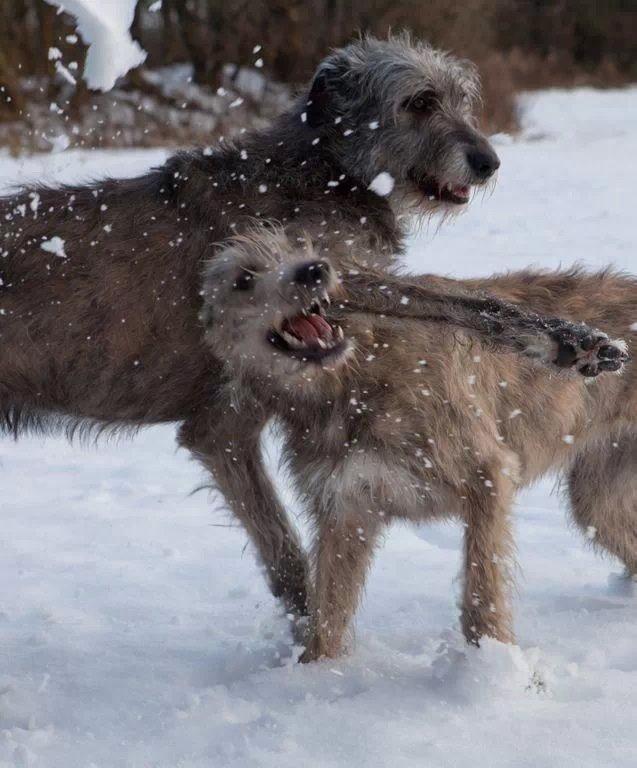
54 245
383 184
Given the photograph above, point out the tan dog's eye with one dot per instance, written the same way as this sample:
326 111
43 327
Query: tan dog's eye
245 281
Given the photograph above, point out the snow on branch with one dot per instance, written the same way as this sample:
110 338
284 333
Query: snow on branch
104 26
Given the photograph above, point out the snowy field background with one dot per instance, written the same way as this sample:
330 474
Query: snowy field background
136 630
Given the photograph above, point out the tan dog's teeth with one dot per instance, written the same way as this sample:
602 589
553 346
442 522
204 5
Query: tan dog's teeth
291 340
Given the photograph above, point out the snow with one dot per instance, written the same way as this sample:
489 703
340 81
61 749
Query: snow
104 26
54 245
382 184
135 631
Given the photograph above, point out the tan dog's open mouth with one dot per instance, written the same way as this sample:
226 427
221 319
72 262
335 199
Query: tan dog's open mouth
308 336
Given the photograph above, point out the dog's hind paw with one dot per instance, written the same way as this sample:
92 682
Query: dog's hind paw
587 351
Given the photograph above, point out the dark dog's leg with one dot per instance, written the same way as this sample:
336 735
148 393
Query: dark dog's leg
227 444
602 487
555 342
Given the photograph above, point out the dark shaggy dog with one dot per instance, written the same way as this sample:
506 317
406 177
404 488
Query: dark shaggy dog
100 284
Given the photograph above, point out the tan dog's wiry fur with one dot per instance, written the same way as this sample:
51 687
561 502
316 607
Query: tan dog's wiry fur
394 418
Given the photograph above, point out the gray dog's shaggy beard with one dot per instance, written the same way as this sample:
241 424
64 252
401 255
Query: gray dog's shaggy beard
404 109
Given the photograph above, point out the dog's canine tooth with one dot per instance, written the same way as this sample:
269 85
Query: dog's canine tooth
278 321
291 340
339 333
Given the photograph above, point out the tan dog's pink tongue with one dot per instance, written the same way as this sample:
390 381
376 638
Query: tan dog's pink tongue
303 328
322 326
310 328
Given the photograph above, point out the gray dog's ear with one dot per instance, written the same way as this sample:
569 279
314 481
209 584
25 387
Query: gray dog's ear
318 101
328 92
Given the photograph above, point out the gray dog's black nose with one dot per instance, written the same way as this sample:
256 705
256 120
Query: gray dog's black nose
312 273
483 162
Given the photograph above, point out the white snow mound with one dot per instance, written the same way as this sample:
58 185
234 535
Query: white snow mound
104 27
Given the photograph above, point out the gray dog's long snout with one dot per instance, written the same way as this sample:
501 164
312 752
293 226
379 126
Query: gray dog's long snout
483 161
313 273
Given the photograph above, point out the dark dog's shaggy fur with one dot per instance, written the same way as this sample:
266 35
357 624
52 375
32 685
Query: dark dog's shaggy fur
99 327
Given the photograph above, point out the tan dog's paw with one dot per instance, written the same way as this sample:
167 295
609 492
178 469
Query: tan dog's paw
588 352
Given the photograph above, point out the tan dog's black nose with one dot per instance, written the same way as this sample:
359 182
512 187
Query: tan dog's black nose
313 273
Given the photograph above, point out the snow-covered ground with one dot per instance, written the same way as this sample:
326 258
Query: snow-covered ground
136 631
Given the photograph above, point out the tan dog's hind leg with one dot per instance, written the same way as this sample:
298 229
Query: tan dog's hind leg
602 487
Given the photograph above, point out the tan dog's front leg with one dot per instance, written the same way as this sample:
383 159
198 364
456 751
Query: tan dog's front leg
488 551
343 553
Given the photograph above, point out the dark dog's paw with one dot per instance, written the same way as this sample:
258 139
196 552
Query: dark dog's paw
588 352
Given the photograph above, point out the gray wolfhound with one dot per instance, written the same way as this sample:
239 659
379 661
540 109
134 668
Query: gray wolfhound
100 284
390 418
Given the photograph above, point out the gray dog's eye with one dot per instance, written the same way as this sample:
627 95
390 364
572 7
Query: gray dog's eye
244 281
423 103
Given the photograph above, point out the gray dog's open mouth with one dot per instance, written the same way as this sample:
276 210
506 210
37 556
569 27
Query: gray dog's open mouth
308 336
432 189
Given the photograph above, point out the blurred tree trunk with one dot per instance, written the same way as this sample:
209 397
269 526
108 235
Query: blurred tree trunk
202 28
14 51
81 92
11 99
136 27
46 15
18 29
170 47
288 41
